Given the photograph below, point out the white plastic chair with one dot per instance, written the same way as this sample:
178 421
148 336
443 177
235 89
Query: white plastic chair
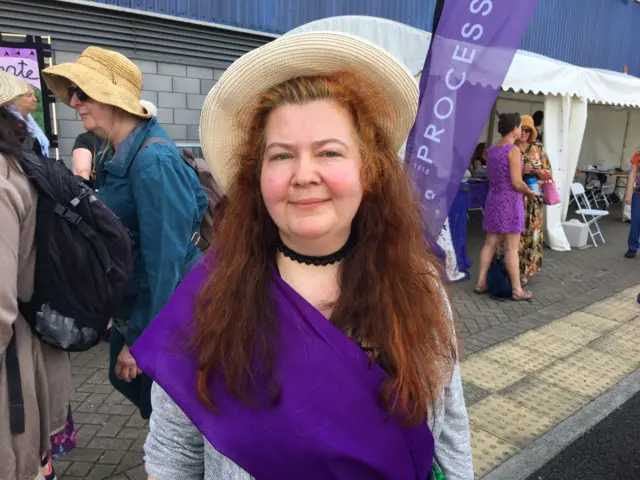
602 194
585 210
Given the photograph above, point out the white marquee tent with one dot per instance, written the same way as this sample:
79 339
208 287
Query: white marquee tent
613 134
562 90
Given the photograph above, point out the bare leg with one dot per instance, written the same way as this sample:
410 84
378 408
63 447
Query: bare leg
512 262
486 256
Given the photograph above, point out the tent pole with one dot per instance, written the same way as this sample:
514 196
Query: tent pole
436 16
626 133
492 122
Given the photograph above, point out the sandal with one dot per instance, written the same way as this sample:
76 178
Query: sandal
48 471
481 289
521 296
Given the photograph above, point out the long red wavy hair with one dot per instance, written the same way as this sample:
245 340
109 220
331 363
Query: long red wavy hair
390 292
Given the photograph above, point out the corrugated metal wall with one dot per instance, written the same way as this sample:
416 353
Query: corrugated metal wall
591 33
73 28
279 16
597 34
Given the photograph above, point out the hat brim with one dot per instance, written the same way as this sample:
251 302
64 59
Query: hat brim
11 89
225 115
60 77
527 121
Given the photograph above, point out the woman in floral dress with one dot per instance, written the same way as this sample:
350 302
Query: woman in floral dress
536 163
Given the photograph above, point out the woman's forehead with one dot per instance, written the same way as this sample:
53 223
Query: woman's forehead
314 117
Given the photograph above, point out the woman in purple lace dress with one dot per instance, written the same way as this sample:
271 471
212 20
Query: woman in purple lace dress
504 207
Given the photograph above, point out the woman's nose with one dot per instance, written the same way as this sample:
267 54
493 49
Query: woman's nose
305 172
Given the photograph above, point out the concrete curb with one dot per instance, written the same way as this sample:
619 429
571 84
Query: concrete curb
540 452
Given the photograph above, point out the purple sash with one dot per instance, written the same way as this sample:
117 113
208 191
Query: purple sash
328 424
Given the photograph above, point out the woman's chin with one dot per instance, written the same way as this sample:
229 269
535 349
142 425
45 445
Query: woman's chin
90 126
309 227
310 234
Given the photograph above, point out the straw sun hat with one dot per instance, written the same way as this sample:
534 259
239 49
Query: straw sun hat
11 88
105 76
226 112
526 121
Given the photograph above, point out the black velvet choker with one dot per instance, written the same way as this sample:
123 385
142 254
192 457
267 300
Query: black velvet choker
320 261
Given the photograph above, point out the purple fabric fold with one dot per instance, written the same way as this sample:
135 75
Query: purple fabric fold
465 67
328 423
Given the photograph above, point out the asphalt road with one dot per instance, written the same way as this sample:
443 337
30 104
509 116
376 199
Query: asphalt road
609 451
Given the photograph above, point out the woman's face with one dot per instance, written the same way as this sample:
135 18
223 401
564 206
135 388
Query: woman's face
28 102
517 132
97 117
310 177
525 134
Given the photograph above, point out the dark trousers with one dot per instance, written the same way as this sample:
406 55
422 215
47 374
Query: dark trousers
634 234
137 391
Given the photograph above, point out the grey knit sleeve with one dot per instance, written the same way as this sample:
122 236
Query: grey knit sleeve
453 449
174 449
453 439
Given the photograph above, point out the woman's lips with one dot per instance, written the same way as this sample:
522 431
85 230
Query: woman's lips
309 204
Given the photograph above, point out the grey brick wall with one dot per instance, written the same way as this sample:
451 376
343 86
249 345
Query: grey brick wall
177 90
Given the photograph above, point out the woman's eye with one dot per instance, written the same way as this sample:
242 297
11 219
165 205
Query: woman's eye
330 154
282 156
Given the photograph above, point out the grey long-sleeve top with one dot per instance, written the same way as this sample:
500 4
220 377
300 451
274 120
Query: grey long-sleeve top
176 450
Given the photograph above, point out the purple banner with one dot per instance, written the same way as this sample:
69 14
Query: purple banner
467 62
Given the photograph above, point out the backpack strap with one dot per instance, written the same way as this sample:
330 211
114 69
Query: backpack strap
145 144
14 383
152 140
187 157
88 232
196 238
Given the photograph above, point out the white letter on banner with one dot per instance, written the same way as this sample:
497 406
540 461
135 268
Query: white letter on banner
475 8
432 133
462 57
423 153
467 32
448 82
448 114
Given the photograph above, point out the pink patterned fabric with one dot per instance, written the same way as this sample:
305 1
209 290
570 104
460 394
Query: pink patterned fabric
65 440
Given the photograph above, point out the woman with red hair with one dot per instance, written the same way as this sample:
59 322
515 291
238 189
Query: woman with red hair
316 340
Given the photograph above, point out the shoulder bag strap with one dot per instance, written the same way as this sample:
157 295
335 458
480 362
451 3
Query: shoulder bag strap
14 382
145 144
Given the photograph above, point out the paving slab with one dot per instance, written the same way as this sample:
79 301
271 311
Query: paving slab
568 282
533 412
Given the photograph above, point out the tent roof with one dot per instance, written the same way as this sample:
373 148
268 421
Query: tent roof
529 72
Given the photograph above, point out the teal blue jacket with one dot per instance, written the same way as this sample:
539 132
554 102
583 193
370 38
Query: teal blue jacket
160 201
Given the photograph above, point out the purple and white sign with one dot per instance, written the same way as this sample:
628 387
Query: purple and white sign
21 62
467 62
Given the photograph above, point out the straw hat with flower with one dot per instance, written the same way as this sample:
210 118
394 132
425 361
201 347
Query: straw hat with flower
226 114
105 76
11 88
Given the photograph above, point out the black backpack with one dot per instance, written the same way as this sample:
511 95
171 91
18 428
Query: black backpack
83 260
498 280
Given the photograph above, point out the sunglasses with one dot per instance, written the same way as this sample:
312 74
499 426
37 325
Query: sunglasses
83 97
525 130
